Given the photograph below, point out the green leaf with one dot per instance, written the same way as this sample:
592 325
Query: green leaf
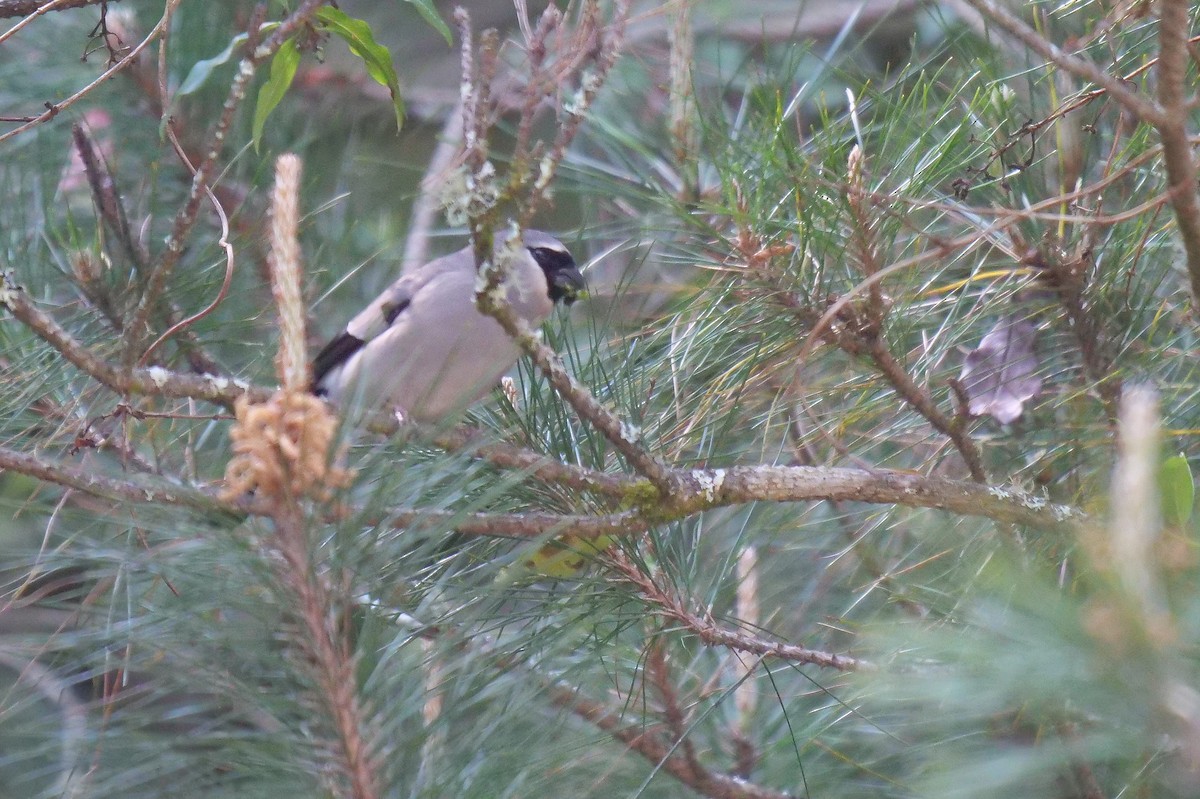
201 70
1178 490
283 70
361 41
430 14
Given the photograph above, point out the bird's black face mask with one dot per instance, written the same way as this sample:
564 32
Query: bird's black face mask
563 277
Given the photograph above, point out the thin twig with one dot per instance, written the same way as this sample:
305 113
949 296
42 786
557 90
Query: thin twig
591 80
105 195
111 210
54 109
1078 66
154 381
543 467
222 242
650 746
163 101
658 674
185 218
539 84
921 400
602 48
624 437
32 9
523 525
669 606
867 337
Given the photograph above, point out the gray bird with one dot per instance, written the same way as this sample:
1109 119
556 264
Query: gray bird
423 348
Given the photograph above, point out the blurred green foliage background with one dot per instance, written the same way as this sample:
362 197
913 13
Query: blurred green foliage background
157 645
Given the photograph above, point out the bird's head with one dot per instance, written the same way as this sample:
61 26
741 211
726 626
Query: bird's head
563 278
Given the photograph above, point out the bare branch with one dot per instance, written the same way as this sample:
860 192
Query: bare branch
591 78
54 109
1173 28
525 525
105 195
154 381
714 487
222 242
624 437
658 673
32 9
656 750
185 219
123 492
670 606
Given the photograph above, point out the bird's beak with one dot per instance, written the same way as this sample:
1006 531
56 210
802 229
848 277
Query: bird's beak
568 285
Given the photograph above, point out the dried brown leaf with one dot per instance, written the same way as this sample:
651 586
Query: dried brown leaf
999 376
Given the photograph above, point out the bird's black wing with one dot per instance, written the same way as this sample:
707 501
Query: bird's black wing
332 355
377 317
371 322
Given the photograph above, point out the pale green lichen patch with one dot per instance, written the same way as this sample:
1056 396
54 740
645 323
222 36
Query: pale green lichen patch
8 290
464 195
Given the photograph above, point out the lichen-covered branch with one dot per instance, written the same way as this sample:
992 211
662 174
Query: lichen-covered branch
705 489
714 487
154 381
